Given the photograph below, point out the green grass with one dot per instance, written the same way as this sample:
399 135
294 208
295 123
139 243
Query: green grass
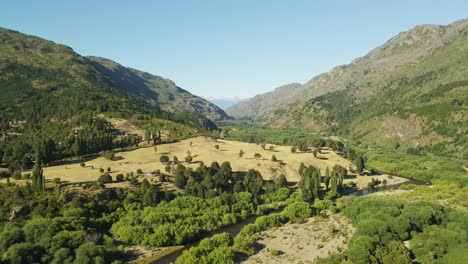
253 133
425 168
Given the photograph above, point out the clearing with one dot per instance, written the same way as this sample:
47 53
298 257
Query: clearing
304 242
203 150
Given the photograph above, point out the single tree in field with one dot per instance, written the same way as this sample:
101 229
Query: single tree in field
217 147
155 149
257 155
164 159
273 158
191 144
315 153
189 157
241 153
293 149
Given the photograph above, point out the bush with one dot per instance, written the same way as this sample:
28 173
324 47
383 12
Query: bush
110 155
119 177
164 159
275 252
139 171
297 212
82 164
106 178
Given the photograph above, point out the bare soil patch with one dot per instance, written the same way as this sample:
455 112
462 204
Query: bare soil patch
303 243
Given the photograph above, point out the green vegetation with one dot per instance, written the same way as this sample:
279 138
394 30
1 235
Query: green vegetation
424 168
55 102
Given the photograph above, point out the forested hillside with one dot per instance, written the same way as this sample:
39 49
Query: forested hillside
56 101
156 90
409 93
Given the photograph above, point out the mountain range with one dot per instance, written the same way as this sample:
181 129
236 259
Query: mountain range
37 64
409 93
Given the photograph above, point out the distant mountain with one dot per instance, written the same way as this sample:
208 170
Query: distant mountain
225 102
411 92
262 105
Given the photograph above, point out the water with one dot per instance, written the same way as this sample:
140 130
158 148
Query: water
382 188
233 230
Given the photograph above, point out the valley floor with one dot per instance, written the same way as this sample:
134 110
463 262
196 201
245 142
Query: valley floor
303 243
203 150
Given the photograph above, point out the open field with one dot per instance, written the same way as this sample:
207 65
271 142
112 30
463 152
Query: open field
303 243
203 150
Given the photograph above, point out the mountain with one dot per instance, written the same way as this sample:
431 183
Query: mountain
225 102
263 104
409 93
157 90
57 101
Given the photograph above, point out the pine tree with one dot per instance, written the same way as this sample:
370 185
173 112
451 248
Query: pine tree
327 178
38 180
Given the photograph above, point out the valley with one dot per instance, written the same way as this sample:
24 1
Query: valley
104 163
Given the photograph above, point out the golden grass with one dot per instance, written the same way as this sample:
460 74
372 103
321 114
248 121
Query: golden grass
203 150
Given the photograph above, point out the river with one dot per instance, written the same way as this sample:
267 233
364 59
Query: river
233 230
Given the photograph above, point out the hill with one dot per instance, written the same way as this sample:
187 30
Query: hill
53 99
261 105
410 93
156 90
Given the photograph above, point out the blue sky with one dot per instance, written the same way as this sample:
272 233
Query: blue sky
226 48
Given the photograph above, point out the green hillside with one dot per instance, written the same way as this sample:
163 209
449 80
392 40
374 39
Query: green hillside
410 93
53 98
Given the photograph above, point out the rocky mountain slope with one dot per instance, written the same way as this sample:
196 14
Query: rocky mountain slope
411 92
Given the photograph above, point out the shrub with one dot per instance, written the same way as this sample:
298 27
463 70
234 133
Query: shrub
297 212
275 252
119 177
110 155
164 159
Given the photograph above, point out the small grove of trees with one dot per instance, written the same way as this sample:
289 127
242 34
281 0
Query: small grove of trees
110 155
38 180
310 184
355 158
336 181
216 249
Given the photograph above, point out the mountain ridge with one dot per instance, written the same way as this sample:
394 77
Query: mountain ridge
379 98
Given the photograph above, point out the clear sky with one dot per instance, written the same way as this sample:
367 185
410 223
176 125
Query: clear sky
226 48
